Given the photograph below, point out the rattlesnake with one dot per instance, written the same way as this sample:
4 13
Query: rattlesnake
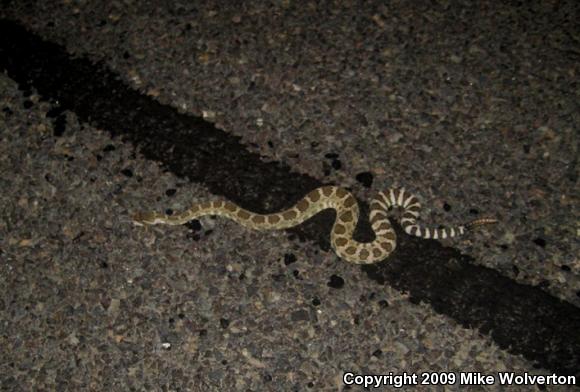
346 219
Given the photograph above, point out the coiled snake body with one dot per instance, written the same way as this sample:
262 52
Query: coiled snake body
347 213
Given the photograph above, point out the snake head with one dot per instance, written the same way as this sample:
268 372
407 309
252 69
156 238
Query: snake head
144 218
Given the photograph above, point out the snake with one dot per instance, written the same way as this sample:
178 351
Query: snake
347 215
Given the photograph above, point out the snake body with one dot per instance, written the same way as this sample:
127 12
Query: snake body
347 213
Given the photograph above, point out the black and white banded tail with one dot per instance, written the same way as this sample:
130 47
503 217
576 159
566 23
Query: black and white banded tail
411 206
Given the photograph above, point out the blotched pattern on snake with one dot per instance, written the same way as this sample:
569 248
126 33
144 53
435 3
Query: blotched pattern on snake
347 213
